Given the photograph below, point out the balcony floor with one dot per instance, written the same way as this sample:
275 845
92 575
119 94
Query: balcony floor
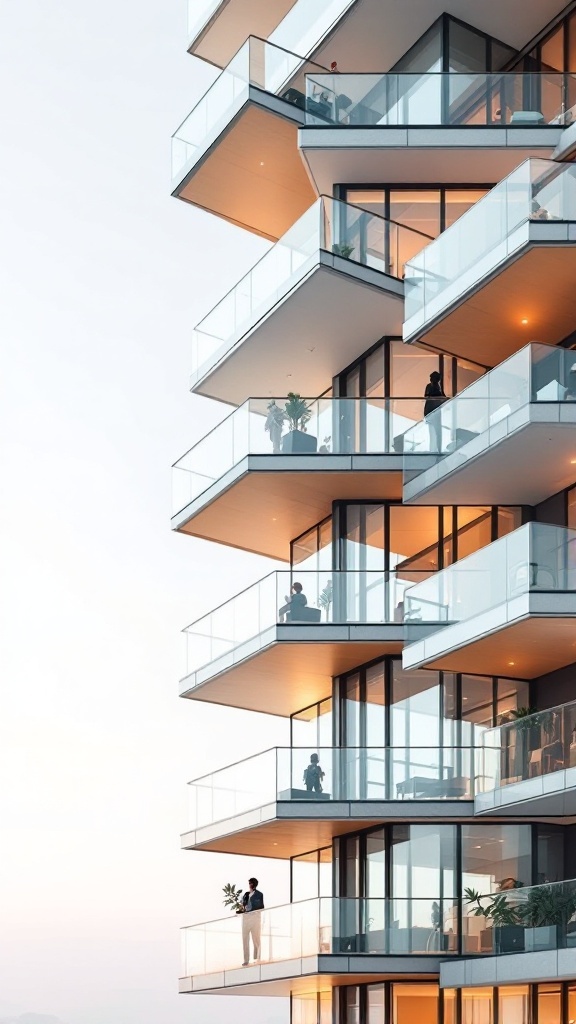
535 283
474 156
290 666
550 795
311 974
289 828
291 494
251 173
538 637
497 466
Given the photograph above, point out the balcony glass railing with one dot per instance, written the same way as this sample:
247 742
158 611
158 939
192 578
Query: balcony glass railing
485 236
199 14
241 626
335 773
537 558
526 920
259 64
529 747
323 926
333 426
329 225
440 98
486 411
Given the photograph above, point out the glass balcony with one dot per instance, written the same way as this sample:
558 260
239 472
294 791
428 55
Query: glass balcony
526 920
261 426
350 773
534 388
524 581
529 747
248 622
495 228
258 64
440 99
325 926
331 226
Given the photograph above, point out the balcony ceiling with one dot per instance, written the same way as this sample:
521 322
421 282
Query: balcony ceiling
503 473
375 34
474 156
522 650
288 501
253 174
328 320
486 325
232 23
288 675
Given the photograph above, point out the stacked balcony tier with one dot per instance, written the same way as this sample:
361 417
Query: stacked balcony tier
509 437
509 608
261 652
528 766
256 458
273 805
325 293
503 273
440 127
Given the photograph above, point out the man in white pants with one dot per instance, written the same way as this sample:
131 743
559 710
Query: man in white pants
253 903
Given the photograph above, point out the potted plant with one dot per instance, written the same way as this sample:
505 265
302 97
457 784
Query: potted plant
297 412
343 249
504 916
525 738
325 599
232 898
545 916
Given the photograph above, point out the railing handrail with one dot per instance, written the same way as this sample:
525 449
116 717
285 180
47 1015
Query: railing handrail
307 748
385 574
451 74
520 722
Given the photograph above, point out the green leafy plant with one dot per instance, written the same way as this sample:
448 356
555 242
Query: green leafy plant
232 897
548 905
296 411
326 597
342 249
497 909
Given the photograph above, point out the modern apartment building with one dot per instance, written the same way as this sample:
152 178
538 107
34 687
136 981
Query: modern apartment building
410 164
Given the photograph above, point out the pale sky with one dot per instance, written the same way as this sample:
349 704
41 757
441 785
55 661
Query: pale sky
103 278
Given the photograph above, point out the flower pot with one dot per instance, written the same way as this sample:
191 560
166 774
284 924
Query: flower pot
297 442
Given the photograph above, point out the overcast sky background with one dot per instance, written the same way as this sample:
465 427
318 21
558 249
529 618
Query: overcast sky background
103 278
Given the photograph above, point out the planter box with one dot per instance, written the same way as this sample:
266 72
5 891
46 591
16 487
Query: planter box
509 938
297 442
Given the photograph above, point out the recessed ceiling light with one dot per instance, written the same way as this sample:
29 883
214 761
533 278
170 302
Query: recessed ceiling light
573 462
511 663
261 163
477 847
524 321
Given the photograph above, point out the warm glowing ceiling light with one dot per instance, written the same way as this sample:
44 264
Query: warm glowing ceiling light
511 663
524 321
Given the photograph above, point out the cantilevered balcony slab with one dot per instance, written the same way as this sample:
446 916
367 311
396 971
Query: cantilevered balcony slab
236 153
261 807
218 28
528 766
503 271
483 445
510 608
244 656
321 296
327 938
254 460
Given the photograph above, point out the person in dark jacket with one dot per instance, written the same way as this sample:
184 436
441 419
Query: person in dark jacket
253 904
434 397
294 604
313 775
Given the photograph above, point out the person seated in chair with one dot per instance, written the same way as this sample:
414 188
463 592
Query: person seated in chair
294 604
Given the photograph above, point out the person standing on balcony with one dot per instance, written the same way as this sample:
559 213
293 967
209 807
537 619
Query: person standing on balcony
313 775
434 397
253 905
